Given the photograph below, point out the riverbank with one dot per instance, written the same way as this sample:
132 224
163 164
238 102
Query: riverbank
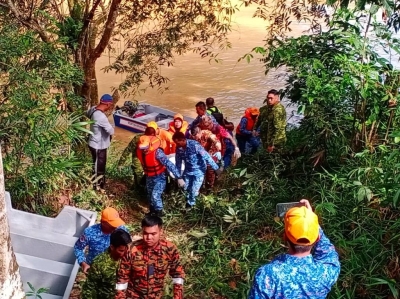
234 231
344 157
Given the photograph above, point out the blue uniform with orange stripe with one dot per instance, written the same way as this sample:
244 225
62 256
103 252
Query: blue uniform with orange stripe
95 239
309 277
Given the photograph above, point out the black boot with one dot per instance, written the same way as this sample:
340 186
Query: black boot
159 213
152 212
102 181
188 207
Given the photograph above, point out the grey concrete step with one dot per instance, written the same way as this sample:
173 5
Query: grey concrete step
44 273
44 247
43 244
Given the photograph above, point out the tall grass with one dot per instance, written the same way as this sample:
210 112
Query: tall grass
234 232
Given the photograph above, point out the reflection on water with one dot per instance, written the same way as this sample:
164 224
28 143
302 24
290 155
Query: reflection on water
234 85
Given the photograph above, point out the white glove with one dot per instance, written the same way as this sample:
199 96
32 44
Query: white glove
217 155
181 183
237 153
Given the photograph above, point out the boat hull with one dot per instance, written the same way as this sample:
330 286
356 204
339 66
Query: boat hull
151 113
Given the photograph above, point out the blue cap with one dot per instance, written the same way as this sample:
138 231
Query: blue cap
106 98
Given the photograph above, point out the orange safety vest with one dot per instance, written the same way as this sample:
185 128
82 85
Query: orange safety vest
183 129
250 122
151 166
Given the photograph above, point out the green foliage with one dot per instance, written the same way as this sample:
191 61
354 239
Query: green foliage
350 130
69 31
36 131
153 33
281 15
233 233
36 293
336 81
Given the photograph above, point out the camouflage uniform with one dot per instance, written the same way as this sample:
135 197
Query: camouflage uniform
156 184
136 165
272 124
142 271
100 281
196 159
212 145
95 239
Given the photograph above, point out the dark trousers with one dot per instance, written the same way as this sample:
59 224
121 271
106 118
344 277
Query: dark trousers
229 150
243 141
99 158
210 177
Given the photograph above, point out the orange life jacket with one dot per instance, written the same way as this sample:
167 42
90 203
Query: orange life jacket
250 122
151 166
167 144
183 129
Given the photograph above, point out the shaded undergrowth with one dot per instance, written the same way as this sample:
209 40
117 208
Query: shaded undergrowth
234 231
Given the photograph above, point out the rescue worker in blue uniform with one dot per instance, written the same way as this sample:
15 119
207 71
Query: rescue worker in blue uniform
155 163
97 238
196 159
244 131
310 267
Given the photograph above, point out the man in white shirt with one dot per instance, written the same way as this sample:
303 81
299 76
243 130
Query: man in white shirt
100 140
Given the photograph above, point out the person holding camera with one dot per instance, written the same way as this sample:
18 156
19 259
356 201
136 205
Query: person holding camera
299 273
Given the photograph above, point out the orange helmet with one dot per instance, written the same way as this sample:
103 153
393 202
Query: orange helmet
178 116
152 124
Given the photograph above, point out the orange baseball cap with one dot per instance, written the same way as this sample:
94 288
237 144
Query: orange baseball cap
254 111
152 124
301 223
111 216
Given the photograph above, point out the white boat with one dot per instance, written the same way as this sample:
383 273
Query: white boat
134 117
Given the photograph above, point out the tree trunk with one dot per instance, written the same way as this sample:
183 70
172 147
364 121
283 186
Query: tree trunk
10 279
87 53
89 89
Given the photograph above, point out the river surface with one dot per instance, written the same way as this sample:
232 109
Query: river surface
234 85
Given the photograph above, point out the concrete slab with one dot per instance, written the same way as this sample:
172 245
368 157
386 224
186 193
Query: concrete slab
44 247
44 273
44 244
